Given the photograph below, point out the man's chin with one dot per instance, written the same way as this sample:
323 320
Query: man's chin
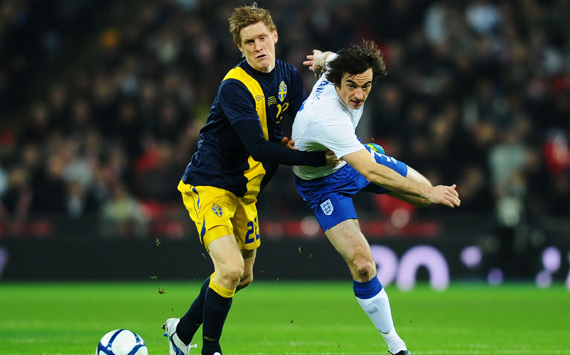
262 65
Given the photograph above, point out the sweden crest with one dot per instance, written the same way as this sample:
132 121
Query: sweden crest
282 91
217 210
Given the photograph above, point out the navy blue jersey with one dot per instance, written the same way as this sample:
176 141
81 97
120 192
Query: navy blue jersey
245 94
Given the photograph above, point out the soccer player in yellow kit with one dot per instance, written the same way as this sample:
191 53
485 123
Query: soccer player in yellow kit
239 151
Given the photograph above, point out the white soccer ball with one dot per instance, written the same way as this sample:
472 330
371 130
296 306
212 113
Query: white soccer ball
121 342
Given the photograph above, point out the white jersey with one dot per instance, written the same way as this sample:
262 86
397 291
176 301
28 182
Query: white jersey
325 122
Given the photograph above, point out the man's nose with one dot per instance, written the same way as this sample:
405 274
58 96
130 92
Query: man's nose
359 94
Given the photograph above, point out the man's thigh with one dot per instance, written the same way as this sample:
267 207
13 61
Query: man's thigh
349 241
217 213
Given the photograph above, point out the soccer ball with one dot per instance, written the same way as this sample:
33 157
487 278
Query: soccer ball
121 342
376 148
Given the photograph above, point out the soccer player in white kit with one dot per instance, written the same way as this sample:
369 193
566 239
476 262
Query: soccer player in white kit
328 120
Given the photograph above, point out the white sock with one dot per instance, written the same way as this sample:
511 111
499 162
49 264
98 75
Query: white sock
378 310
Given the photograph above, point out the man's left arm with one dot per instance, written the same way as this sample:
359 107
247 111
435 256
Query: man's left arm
413 200
381 175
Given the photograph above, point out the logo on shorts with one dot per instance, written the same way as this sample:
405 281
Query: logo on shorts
327 207
217 210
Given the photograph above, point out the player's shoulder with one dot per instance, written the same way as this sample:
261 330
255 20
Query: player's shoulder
237 72
285 67
324 110
236 75
232 88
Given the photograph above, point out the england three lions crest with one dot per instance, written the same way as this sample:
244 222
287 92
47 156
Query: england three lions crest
282 91
327 207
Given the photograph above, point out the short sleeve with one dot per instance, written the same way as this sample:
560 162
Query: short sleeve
340 138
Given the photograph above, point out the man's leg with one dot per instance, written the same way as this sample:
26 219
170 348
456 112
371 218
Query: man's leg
194 317
229 270
349 241
249 261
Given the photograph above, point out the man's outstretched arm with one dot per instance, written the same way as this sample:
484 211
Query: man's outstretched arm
381 175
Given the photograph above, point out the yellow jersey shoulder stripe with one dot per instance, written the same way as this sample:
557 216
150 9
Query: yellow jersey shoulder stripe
256 171
254 88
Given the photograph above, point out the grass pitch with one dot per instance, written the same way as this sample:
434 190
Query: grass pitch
289 318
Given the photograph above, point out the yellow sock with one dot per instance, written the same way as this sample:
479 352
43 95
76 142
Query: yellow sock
224 292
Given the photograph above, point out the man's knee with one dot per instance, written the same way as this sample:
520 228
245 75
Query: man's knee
232 274
245 281
363 269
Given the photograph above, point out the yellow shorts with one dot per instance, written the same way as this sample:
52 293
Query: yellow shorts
218 212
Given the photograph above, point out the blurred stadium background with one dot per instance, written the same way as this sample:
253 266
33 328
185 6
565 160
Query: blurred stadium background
101 102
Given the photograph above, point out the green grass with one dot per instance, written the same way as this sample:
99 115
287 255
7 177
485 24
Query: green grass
290 318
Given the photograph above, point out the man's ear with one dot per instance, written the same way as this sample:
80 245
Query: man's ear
241 51
275 37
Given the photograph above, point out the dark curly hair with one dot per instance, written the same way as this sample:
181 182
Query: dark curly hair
356 59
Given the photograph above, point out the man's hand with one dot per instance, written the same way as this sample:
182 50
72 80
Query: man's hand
445 195
315 62
332 159
289 143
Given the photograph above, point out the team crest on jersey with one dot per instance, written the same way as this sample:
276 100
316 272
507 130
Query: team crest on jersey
327 207
217 210
282 91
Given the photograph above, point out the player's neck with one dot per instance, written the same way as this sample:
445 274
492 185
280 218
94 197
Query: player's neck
265 70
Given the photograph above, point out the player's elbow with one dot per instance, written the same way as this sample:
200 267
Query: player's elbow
259 154
258 150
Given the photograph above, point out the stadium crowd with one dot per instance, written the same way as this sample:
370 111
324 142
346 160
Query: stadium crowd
477 94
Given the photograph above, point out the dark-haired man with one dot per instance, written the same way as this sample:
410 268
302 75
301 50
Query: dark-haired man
328 120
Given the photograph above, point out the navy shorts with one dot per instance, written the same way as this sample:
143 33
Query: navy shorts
330 197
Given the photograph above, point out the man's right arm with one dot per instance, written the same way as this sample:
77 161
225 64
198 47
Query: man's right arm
381 175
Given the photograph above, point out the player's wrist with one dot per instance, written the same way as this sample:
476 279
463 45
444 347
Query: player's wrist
320 60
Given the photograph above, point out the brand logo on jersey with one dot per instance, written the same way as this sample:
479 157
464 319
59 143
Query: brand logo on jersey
271 101
320 89
258 97
217 210
327 207
282 91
